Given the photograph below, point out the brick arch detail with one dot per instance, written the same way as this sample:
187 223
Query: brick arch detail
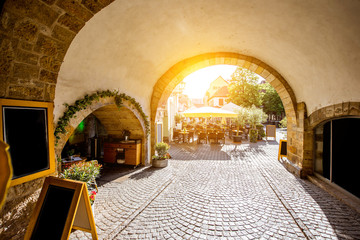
320 116
81 115
168 81
346 109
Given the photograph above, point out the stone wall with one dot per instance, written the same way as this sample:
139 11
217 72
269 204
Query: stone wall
34 38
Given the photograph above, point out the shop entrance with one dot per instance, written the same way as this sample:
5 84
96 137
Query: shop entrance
340 155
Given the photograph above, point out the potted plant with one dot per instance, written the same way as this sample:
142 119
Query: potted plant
240 121
160 159
126 134
85 172
256 116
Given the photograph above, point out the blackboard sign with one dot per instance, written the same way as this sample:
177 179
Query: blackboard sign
270 131
63 205
282 149
57 203
26 127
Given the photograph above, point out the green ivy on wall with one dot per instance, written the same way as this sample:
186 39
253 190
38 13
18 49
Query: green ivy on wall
82 104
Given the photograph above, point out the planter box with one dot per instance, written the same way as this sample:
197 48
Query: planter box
237 138
159 163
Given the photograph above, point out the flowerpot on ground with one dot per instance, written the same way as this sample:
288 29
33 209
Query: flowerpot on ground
237 138
159 163
161 159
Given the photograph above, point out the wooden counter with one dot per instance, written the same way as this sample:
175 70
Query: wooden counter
131 152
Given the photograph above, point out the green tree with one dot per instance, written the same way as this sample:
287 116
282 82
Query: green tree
256 116
244 88
271 101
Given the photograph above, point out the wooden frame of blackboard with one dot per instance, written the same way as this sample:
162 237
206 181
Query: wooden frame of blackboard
5 171
270 131
44 109
76 209
282 149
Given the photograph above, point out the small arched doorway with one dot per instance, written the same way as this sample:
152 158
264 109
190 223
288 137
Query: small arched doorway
105 122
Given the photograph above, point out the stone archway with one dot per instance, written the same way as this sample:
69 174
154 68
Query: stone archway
168 81
103 102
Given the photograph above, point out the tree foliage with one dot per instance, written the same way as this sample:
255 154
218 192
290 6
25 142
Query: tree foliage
271 101
244 88
246 91
256 116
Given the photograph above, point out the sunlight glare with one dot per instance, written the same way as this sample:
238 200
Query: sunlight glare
198 82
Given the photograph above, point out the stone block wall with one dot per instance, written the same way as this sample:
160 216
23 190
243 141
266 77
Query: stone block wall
34 38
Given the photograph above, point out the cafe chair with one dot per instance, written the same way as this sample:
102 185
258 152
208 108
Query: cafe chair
202 136
176 136
190 136
221 137
212 137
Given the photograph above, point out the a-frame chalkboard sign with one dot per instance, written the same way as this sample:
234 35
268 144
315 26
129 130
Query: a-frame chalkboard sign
63 205
270 131
282 149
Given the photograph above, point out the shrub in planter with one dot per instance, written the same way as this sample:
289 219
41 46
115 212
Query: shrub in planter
84 172
162 149
161 159
253 135
261 131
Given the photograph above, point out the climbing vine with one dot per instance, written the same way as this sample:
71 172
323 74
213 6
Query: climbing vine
81 104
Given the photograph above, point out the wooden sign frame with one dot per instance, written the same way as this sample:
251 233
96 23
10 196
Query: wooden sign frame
282 148
79 215
270 131
5 171
10 108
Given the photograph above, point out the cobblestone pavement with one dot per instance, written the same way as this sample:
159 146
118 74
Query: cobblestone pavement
212 191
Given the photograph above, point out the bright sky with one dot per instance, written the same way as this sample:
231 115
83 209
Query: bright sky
198 82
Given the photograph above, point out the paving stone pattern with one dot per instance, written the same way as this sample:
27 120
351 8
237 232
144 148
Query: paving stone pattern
212 191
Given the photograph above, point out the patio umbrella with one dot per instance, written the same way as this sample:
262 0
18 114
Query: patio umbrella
230 107
208 112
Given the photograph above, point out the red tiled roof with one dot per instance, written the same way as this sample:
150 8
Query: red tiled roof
222 92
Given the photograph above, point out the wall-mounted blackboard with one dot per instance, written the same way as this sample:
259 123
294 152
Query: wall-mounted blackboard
26 127
63 205
282 149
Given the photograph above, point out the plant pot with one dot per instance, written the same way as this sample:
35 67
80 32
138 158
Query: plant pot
159 163
237 138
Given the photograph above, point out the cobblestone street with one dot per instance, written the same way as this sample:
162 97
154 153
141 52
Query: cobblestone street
213 191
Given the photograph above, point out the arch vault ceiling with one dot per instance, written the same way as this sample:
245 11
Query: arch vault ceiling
128 45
